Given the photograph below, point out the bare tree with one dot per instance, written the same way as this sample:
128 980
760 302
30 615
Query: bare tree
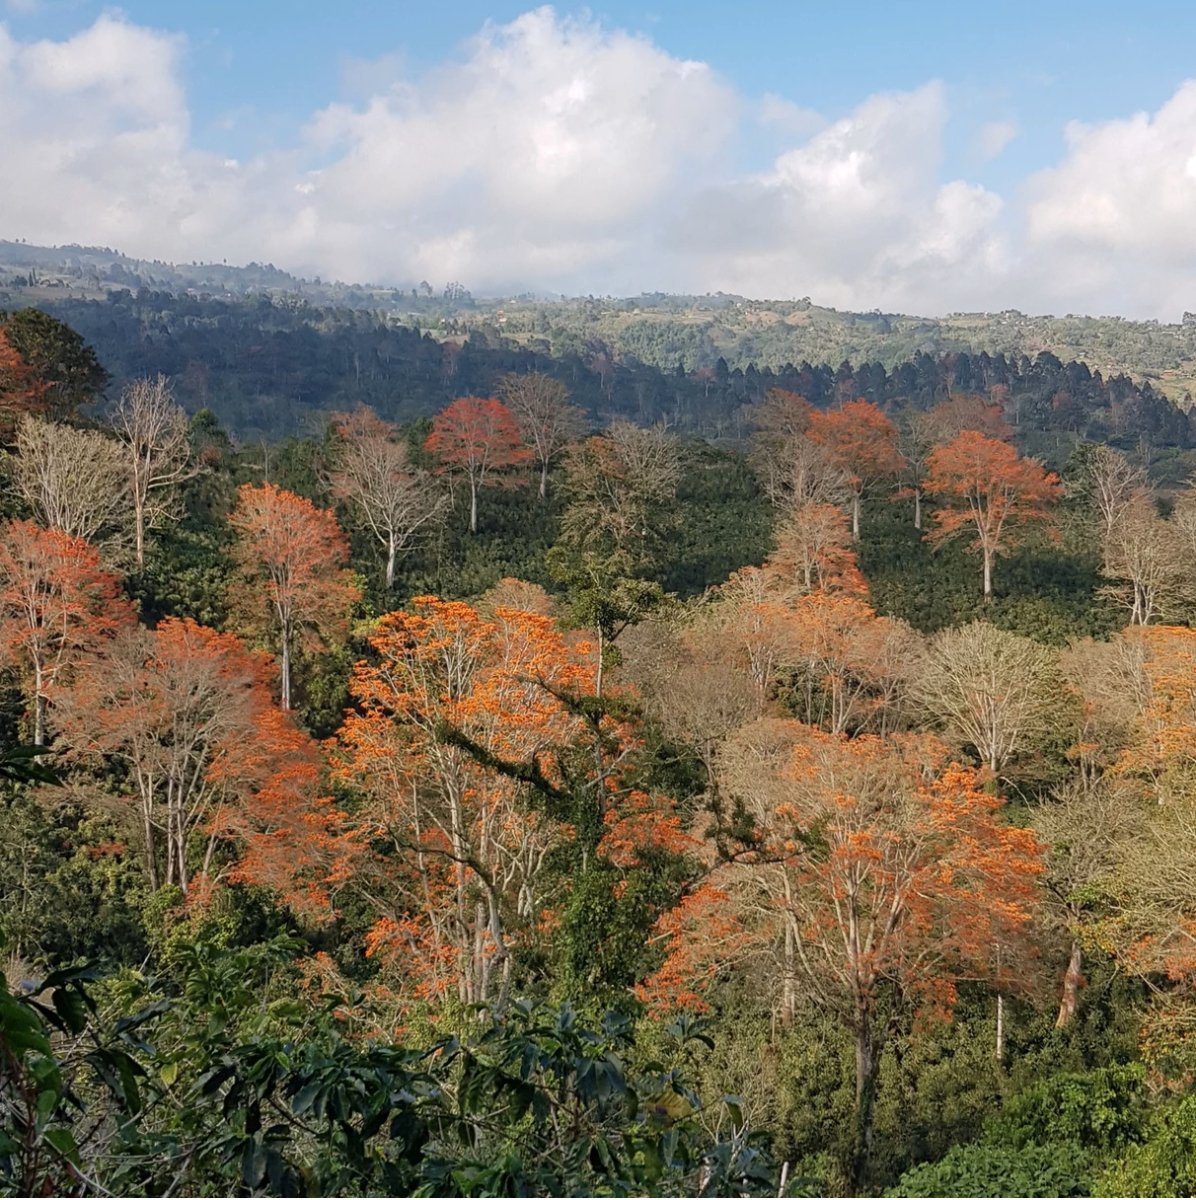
545 417
1086 829
690 681
622 488
992 690
1147 554
917 436
72 479
153 429
652 456
1113 485
372 473
1183 518
808 475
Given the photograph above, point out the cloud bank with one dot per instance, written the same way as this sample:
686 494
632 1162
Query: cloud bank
557 154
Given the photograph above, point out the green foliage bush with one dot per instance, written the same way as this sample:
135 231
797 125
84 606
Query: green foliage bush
221 1080
981 1169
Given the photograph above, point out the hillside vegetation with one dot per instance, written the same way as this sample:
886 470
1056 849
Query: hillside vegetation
481 773
656 329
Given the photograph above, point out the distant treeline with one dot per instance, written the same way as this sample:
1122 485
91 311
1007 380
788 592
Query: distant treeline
273 368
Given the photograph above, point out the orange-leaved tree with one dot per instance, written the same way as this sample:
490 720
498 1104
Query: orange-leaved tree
480 437
291 560
862 443
57 602
986 489
22 390
813 553
450 694
884 876
967 411
187 712
757 611
1152 668
847 667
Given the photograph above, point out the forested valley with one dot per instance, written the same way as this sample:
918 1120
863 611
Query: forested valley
434 766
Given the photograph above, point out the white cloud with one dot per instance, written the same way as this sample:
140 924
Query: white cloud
993 137
551 145
555 153
854 217
93 130
1113 224
783 115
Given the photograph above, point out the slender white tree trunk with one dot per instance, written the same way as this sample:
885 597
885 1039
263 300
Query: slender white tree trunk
39 706
1071 988
285 698
1000 1049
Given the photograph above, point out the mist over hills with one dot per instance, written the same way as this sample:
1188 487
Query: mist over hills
657 328
271 353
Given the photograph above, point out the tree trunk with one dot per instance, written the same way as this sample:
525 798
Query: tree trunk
855 517
789 983
1072 982
988 574
601 656
151 850
285 699
543 478
180 849
391 555
473 505
139 534
39 708
865 1097
1000 1047
918 509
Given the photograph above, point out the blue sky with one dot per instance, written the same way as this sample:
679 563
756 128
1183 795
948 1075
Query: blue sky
912 155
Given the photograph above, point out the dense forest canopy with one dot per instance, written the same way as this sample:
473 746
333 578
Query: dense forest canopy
270 368
657 329
437 765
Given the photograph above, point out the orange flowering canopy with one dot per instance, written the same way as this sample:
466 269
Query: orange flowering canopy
985 488
813 552
1161 678
292 559
879 865
464 888
481 438
862 442
21 389
209 758
57 602
478 433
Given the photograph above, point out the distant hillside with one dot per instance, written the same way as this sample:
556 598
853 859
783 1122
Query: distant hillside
271 367
698 330
658 330
35 273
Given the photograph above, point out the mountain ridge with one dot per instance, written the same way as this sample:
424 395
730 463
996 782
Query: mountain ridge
663 330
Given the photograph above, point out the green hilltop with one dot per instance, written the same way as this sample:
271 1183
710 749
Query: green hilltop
656 329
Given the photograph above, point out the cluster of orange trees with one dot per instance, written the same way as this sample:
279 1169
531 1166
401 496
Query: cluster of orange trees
847 844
